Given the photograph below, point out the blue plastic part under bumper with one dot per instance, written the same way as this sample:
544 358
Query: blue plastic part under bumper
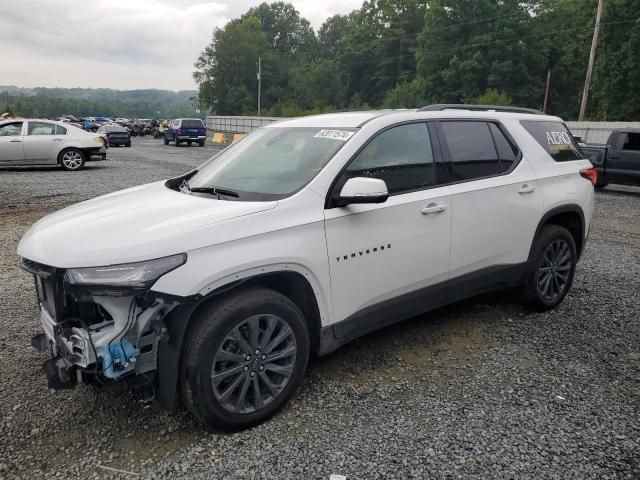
118 358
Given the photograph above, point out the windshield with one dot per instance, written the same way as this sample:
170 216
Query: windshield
271 163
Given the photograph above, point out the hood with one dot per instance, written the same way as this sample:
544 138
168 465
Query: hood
139 223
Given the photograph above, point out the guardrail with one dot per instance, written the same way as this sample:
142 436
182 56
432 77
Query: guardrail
598 132
238 124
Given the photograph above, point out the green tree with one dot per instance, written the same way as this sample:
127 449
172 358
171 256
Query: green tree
226 69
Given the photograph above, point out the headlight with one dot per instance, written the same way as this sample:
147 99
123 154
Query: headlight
127 276
100 141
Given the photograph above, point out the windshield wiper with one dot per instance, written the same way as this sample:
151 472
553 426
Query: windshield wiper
213 191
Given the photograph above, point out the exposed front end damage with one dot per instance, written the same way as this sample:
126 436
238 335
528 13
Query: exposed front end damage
99 332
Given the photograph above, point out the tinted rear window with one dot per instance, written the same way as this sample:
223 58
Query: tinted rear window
472 150
555 138
192 124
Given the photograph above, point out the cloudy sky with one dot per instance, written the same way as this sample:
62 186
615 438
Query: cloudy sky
122 44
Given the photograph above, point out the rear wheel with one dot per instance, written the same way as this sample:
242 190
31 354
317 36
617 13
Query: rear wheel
551 268
189 142
201 143
71 159
245 356
177 142
166 141
128 144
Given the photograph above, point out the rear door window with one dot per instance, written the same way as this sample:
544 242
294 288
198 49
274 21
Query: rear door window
41 128
471 148
60 130
555 138
507 151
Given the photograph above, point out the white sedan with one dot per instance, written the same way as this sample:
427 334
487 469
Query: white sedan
46 142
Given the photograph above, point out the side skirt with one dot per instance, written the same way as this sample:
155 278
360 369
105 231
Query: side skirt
418 302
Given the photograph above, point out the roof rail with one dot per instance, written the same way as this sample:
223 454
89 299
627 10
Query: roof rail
479 108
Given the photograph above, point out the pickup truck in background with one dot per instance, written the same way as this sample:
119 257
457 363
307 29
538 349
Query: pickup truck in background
619 160
187 130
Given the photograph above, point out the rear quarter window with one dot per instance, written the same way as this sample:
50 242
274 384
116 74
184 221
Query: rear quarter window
555 138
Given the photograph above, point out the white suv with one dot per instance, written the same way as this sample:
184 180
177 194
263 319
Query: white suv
215 287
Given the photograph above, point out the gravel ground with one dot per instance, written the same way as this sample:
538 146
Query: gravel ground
482 389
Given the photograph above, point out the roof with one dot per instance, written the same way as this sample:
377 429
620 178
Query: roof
342 119
358 119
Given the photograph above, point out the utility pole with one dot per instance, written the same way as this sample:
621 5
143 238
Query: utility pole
592 56
547 91
259 75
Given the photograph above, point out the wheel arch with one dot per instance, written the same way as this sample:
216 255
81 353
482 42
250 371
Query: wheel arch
292 284
571 217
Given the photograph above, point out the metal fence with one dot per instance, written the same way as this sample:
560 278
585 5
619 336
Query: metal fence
598 132
238 124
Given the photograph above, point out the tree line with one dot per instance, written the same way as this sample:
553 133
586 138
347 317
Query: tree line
409 53
55 102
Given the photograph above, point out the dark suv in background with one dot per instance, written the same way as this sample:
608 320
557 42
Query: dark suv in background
188 130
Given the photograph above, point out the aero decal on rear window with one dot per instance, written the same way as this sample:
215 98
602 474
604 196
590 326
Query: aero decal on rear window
343 135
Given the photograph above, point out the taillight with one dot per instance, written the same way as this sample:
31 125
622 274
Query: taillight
590 174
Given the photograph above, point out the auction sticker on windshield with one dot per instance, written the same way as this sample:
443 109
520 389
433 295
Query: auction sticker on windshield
343 135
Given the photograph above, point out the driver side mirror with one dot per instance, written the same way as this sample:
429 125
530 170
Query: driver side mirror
362 190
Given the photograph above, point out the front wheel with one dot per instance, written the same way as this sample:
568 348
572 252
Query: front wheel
71 159
177 142
201 143
245 356
552 265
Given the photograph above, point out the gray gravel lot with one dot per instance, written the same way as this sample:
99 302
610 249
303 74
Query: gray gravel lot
482 389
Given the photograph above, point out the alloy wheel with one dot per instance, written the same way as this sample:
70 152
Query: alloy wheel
72 160
554 270
253 364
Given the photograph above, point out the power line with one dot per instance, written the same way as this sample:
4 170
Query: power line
377 59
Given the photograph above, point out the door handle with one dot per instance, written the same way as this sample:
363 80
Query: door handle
15 141
526 188
433 208
56 140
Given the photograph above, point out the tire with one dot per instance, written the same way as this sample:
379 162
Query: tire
189 143
599 185
177 142
128 144
257 388
201 143
71 159
166 141
551 268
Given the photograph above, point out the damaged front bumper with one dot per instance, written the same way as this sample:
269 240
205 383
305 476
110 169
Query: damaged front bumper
98 335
